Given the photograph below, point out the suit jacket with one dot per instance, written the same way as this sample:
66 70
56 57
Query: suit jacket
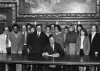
57 49
17 43
37 43
95 44
86 45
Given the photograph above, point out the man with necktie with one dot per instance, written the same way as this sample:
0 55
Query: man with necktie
52 50
95 41
36 42
95 45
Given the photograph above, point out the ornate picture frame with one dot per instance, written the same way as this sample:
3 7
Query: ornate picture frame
10 6
61 15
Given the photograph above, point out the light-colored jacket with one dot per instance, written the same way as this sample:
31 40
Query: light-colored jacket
17 43
86 45
3 43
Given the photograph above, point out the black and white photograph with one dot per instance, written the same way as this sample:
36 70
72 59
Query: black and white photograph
49 35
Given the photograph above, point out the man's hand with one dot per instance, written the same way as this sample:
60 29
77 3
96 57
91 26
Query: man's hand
55 55
96 53
45 54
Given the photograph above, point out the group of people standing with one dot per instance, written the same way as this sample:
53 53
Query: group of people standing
33 40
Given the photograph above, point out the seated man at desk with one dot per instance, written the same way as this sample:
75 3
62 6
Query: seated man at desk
53 49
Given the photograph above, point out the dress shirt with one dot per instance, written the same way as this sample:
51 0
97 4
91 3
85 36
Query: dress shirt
52 45
4 43
8 42
82 39
25 38
38 33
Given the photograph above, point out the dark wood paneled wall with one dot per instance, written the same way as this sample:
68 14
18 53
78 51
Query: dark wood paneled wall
55 17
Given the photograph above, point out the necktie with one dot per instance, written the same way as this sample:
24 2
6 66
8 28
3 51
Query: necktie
92 36
6 40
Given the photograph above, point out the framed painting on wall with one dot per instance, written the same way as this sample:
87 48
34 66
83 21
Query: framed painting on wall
57 8
8 12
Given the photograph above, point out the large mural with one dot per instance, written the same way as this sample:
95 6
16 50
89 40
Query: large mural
57 6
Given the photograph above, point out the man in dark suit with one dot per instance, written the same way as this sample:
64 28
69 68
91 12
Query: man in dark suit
95 42
53 49
95 45
36 42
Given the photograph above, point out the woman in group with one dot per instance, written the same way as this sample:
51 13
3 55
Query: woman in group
70 44
58 36
70 41
79 27
83 46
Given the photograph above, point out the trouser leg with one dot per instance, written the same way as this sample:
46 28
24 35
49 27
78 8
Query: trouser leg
2 67
11 67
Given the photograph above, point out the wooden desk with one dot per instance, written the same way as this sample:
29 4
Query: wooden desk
66 60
